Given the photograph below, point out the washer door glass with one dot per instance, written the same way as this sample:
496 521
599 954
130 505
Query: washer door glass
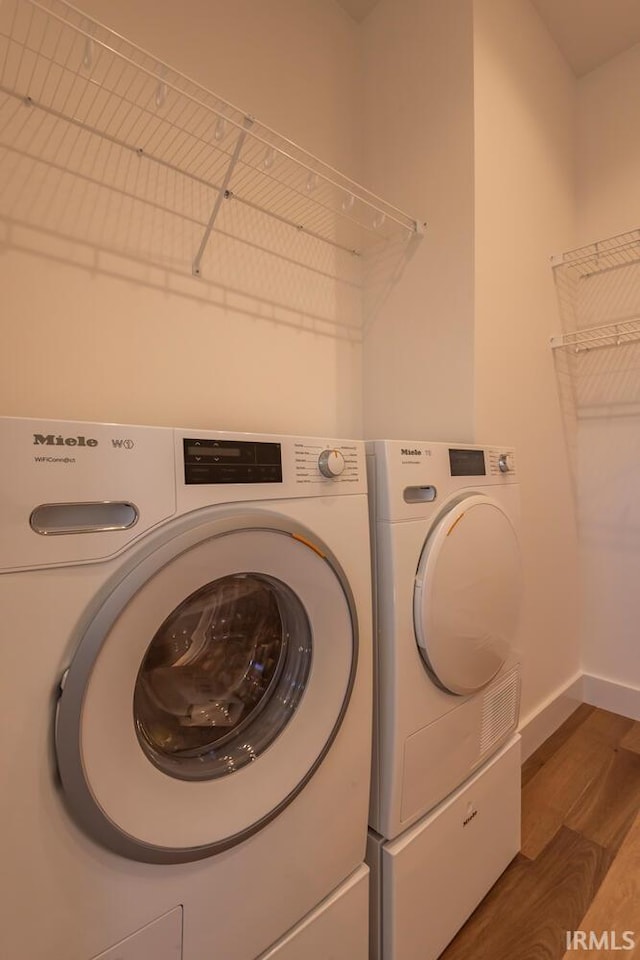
467 595
222 676
207 688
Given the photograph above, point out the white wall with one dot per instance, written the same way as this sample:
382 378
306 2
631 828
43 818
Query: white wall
418 350
470 114
524 212
608 191
609 446
91 336
294 64
609 394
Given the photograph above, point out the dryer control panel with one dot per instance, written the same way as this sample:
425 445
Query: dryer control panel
414 479
481 461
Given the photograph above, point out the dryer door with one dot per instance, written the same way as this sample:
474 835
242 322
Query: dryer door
467 595
206 690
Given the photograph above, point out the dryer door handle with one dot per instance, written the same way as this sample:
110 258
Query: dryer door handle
425 494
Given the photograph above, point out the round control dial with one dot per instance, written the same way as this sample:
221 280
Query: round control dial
505 463
331 463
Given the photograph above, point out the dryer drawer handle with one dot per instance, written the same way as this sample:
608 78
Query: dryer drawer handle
425 494
57 518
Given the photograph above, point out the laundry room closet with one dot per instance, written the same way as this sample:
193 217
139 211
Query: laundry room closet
437 301
444 111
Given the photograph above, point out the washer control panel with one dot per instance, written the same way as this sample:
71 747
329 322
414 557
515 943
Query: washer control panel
331 463
315 461
231 461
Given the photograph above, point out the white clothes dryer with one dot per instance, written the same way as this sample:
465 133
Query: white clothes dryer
445 802
187 692
448 589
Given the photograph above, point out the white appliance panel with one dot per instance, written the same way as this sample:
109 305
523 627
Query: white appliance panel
338 929
159 940
434 875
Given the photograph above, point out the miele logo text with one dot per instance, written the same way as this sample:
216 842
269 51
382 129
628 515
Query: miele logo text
57 441
410 453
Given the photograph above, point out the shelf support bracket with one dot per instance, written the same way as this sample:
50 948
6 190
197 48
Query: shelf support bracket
223 193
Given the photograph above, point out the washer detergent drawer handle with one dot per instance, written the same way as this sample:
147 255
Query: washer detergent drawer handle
50 519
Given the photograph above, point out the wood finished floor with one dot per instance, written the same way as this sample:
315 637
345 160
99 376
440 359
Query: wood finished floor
579 866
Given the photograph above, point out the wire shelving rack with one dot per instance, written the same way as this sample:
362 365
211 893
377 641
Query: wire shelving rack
599 281
83 101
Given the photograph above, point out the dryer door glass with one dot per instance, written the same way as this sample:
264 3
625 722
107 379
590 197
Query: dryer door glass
467 595
222 676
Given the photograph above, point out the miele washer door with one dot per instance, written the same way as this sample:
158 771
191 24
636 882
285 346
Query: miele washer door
467 595
201 702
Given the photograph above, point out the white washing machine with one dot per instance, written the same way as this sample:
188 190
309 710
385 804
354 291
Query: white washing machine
448 587
186 688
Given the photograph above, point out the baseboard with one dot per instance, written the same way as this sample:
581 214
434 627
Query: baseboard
583 688
546 718
610 695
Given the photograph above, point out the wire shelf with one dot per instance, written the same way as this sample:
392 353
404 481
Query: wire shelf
604 255
598 288
82 100
597 356
605 335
